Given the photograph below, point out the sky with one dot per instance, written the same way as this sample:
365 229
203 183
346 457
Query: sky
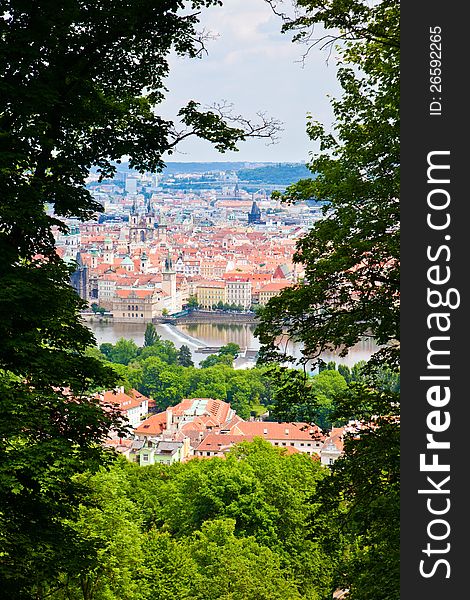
253 66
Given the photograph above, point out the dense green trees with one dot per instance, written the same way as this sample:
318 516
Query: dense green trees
79 83
168 375
192 302
232 529
351 289
230 348
351 255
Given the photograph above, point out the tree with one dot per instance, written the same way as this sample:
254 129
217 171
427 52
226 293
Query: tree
185 357
264 495
78 89
359 505
171 571
351 289
192 302
106 349
238 568
230 348
151 336
217 359
110 522
327 387
123 351
351 256
164 349
162 382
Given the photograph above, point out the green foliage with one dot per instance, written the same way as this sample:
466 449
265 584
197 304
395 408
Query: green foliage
97 309
255 502
192 302
281 174
123 352
237 568
351 290
170 570
112 524
302 397
151 336
184 357
217 359
162 382
208 529
326 387
230 348
163 349
351 256
79 84
157 371
361 501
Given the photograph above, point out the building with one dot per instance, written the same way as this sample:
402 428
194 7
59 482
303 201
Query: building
153 427
142 227
293 437
210 293
80 279
133 406
137 305
174 303
333 446
164 452
254 216
304 437
131 185
270 290
238 291
212 413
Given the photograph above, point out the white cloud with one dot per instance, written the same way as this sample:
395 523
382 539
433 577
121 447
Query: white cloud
256 67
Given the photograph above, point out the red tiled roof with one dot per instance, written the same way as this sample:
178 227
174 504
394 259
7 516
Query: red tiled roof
336 437
215 409
121 400
281 431
275 286
154 425
215 442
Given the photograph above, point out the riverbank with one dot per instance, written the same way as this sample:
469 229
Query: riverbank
201 334
210 316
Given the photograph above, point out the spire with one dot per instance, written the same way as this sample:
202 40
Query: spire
168 263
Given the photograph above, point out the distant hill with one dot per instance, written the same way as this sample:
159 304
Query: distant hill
173 168
277 174
252 176
204 167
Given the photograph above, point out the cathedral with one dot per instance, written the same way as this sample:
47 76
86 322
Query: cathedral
142 227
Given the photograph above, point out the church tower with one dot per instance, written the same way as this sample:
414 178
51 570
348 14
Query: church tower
254 216
169 281
141 226
108 254
149 216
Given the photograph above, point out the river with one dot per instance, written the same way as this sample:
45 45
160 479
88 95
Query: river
196 335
